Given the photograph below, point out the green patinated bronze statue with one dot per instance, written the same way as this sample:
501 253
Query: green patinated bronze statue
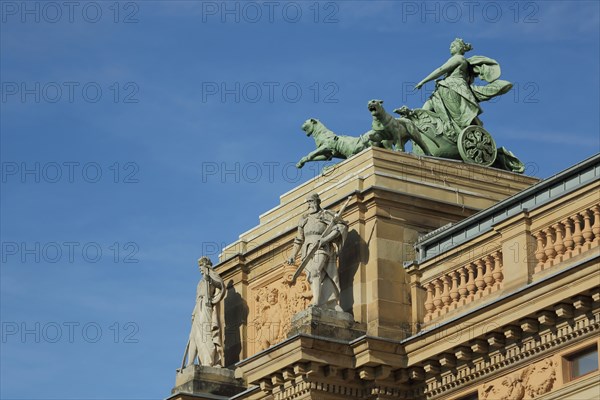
452 111
456 98
393 133
446 126
330 145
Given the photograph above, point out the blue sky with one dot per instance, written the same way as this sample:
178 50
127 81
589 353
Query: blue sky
138 136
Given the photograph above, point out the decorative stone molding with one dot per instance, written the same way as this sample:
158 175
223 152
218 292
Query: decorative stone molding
326 368
274 306
523 345
313 380
528 383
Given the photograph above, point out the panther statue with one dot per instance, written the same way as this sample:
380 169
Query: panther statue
393 132
330 145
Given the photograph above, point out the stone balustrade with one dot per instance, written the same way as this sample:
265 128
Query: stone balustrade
557 233
463 285
567 238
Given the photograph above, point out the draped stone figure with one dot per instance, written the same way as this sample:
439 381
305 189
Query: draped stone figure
205 336
321 269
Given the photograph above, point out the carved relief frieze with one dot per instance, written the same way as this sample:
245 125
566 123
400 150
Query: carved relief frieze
274 305
525 384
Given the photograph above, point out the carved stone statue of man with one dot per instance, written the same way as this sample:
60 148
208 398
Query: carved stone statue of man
205 336
321 269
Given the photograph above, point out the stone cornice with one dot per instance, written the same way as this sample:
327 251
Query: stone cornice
370 366
531 347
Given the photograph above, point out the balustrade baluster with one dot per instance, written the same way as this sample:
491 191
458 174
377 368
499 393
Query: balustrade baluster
549 249
497 274
471 283
568 235
577 236
539 253
479 282
559 246
446 293
437 298
596 226
462 289
487 277
587 233
429 300
454 295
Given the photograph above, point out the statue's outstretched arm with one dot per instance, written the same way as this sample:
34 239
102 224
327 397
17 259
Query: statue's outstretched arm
447 68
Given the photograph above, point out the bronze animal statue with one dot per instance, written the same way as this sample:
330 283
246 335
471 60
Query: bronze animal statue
330 145
393 133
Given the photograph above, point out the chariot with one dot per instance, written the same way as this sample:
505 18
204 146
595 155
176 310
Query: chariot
476 146
472 144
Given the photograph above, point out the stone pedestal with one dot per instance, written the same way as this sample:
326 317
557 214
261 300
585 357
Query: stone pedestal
317 321
202 382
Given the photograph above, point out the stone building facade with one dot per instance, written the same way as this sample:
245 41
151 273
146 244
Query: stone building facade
463 282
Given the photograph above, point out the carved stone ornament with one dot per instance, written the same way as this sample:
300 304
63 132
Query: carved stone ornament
528 383
274 306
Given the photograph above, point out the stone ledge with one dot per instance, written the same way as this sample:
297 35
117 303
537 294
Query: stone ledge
317 321
200 379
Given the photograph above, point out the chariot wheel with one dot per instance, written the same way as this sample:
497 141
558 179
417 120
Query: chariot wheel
476 146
